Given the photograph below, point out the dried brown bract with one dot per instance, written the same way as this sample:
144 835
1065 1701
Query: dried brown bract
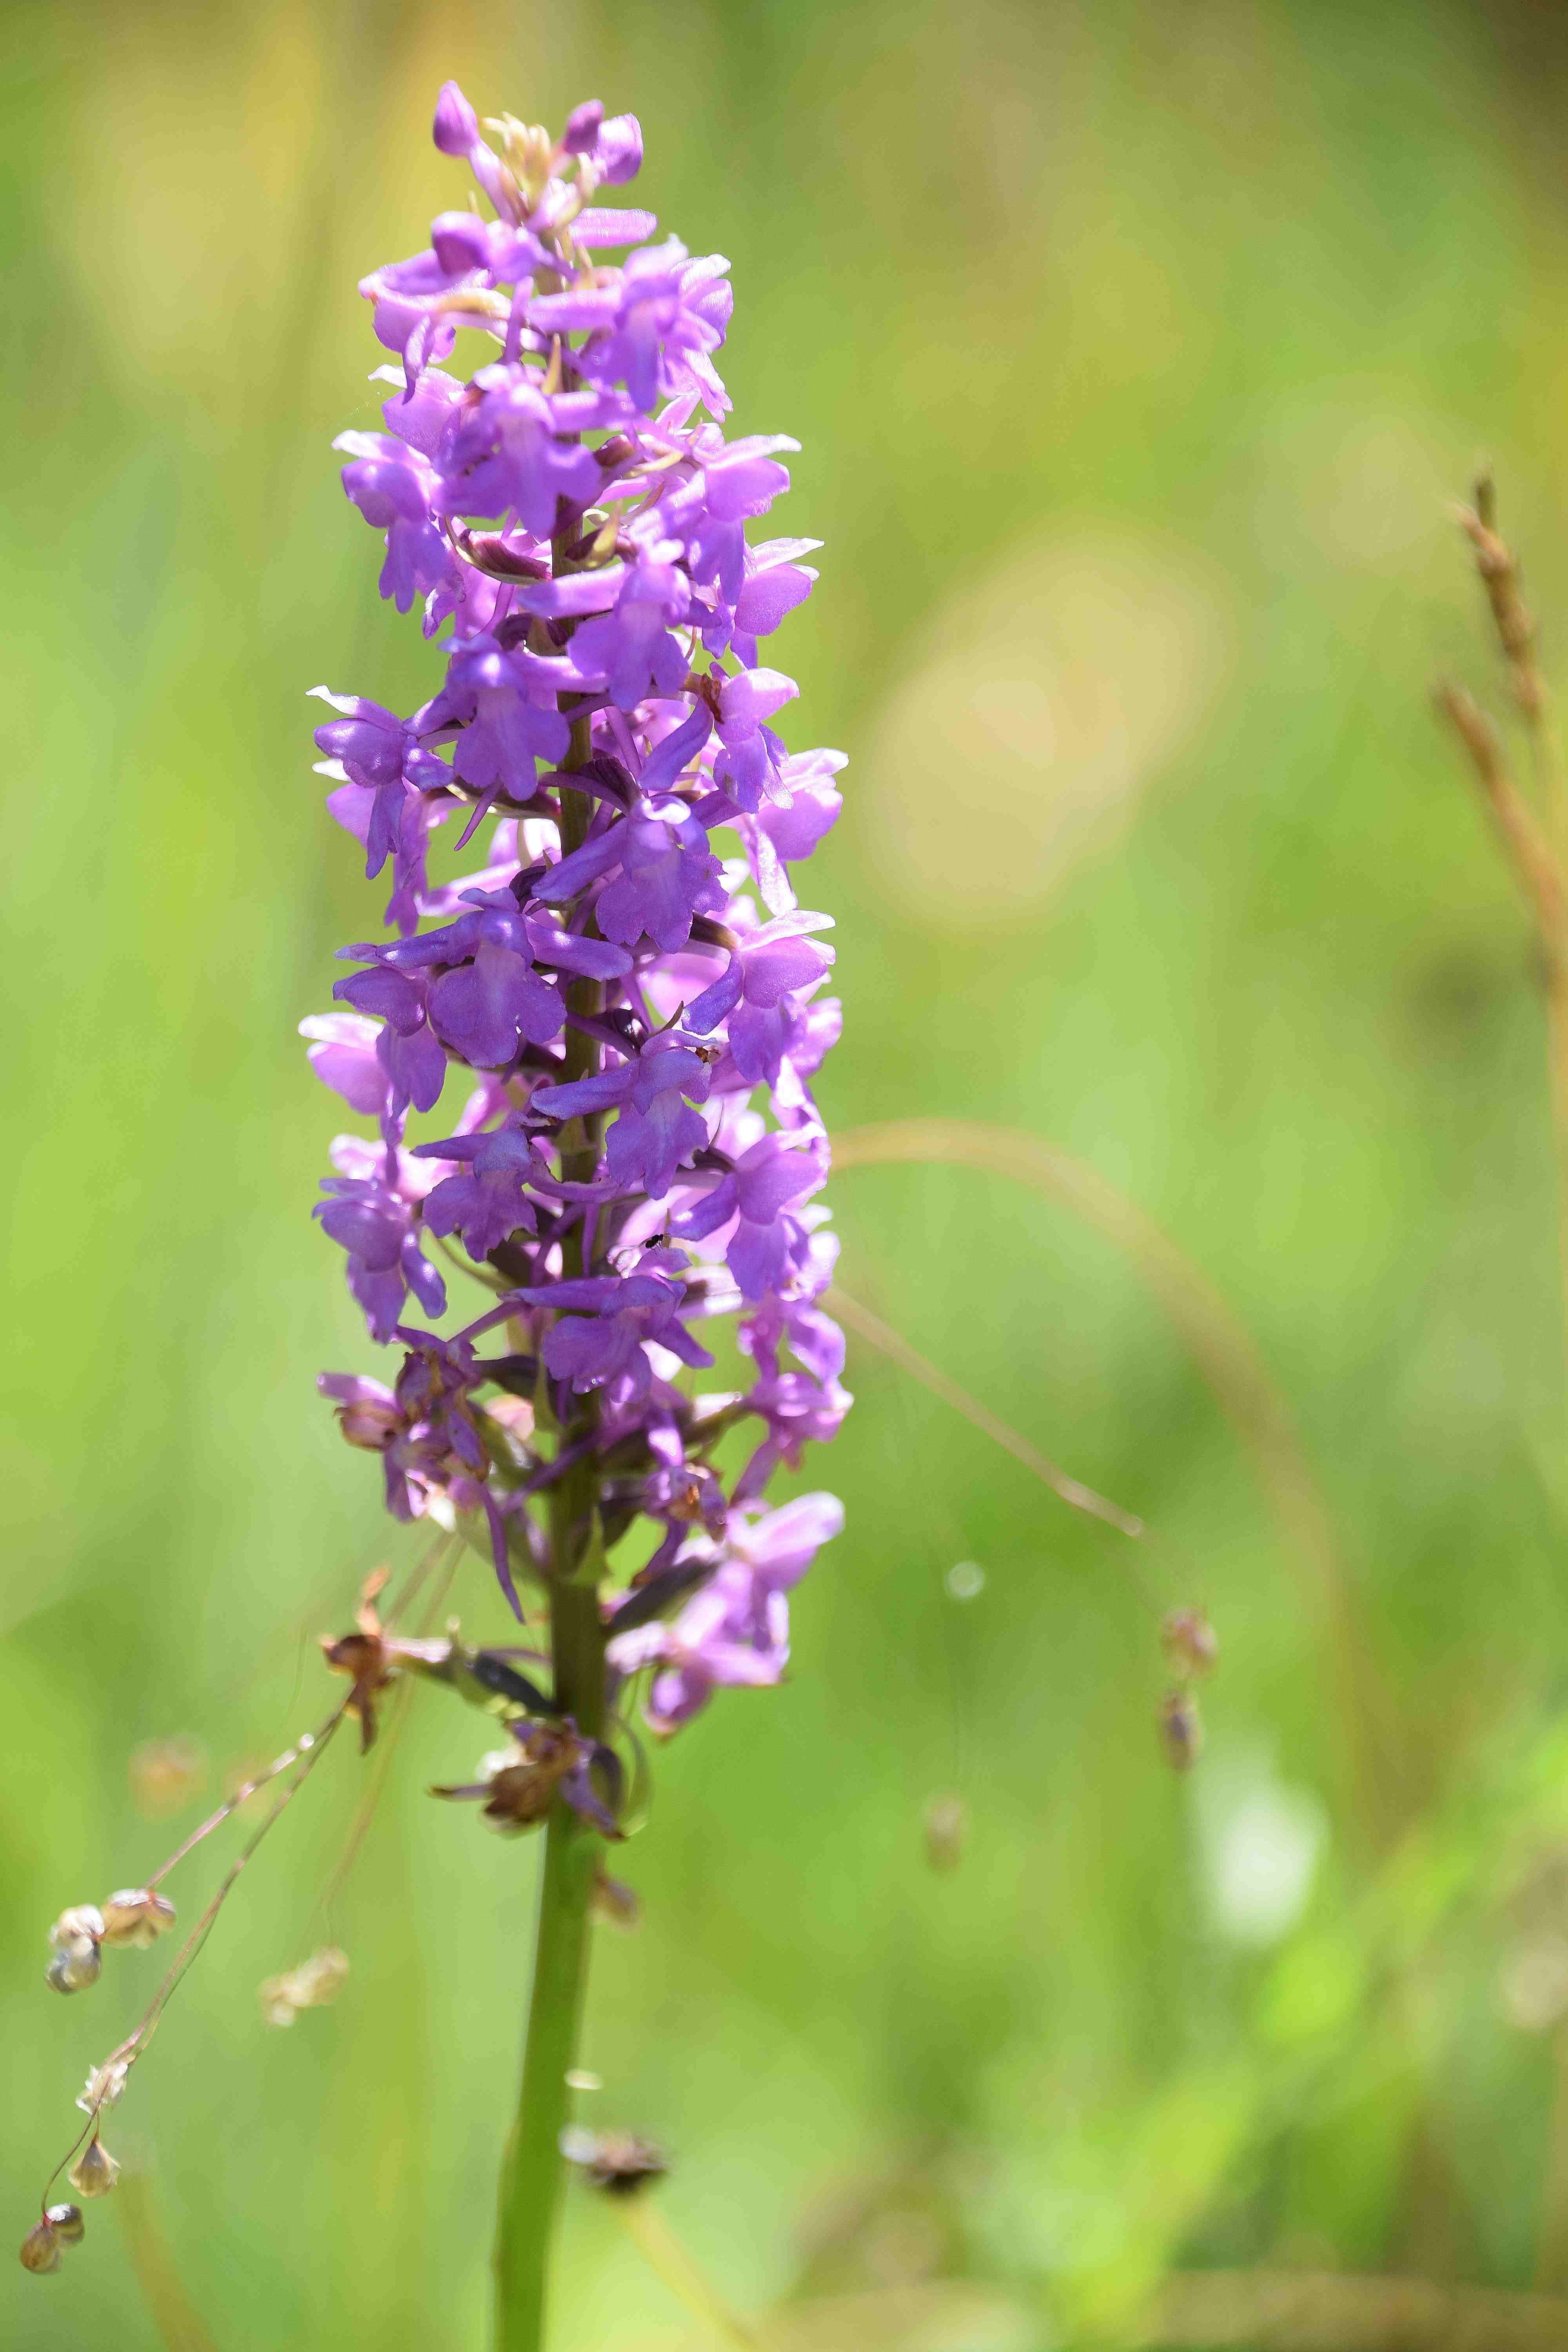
521 1783
1181 1729
619 2163
1190 1643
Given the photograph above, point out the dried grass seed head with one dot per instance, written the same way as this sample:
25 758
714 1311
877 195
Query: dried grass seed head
136 1917
104 2085
314 1983
95 2171
165 1773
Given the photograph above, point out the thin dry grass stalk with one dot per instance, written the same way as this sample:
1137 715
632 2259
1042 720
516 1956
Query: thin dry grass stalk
898 1349
180 2326
1535 849
1533 845
1497 567
1233 1368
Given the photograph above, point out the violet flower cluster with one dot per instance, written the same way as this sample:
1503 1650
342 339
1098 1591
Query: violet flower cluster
617 1017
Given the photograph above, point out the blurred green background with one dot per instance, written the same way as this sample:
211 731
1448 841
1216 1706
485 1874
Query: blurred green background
1135 350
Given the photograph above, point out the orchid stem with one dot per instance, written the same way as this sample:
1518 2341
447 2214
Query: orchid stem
532 2166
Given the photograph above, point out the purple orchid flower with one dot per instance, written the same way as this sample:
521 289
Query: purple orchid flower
382 755
487 1202
774 1176
756 993
667 875
377 1227
344 1058
514 451
631 647
642 1151
606 1324
408 1049
654 331
657 1126
613 146
391 485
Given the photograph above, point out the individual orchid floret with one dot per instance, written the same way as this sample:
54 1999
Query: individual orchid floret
457 127
374 1221
748 1208
650 331
613 146
668 876
756 996
392 488
515 451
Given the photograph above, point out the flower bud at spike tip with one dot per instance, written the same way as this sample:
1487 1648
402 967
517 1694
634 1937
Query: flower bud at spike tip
41 2250
136 1917
456 129
1190 1643
68 2224
95 2171
1181 1729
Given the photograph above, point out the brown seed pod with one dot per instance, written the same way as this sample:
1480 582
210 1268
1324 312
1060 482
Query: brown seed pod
95 2171
41 2250
67 2223
136 1917
75 1965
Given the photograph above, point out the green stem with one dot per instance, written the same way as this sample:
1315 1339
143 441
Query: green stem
532 2166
